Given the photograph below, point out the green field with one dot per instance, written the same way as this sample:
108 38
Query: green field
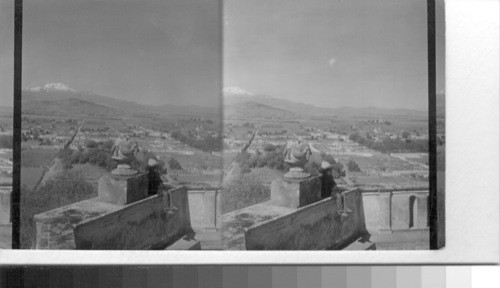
199 160
36 157
30 175
388 182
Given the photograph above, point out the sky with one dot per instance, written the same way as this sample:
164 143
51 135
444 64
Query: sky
151 51
331 53
328 52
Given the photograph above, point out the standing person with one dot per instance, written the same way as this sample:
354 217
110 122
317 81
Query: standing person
329 187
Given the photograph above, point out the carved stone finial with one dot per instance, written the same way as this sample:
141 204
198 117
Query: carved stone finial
124 170
124 151
296 155
297 173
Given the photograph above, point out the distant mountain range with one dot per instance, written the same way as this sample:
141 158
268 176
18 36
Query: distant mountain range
235 98
250 110
68 107
60 99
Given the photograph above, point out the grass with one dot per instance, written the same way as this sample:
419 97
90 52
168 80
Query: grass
266 175
37 157
243 191
89 172
30 175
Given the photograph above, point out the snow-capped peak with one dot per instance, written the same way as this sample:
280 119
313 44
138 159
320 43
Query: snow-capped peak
236 92
52 87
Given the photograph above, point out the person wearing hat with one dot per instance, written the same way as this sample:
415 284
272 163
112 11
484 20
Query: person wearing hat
328 186
155 181
327 181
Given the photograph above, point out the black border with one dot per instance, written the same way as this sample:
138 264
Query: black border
435 210
16 149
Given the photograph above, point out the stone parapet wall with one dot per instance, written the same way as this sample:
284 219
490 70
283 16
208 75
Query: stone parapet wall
55 227
313 227
151 223
146 224
390 210
5 205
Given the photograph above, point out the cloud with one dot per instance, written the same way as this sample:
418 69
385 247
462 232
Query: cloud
332 61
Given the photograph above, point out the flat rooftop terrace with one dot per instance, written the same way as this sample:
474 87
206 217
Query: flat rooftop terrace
235 222
62 220
77 212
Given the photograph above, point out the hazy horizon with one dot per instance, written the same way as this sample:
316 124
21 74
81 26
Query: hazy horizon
332 53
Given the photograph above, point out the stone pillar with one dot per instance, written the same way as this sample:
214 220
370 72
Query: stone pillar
385 213
296 193
218 209
120 189
210 209
5 206
400 210
422 212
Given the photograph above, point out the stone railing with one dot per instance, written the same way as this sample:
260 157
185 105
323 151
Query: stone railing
388 210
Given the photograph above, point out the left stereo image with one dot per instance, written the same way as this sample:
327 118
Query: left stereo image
121 132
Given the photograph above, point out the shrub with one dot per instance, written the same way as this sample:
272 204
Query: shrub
242 192
174 164
274 159
269 147
99 155
6 141
353 166
312 167
91 144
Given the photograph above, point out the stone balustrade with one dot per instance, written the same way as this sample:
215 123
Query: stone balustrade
388 210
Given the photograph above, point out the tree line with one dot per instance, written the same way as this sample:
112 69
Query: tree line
388 145
207 143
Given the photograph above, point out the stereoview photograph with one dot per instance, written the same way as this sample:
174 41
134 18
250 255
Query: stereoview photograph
121 125
235 125
326 125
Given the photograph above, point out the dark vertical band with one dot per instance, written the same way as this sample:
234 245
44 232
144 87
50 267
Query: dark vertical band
434 216
16 157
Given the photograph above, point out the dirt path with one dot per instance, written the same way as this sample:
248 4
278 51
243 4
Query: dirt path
233 165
